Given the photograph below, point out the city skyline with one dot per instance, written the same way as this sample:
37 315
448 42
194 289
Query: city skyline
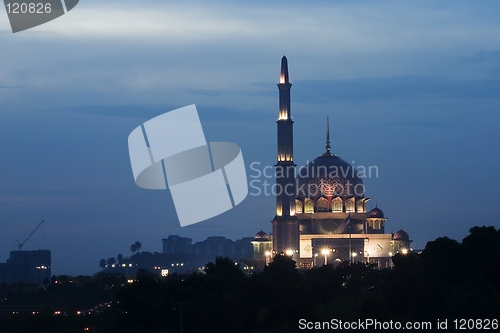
411 89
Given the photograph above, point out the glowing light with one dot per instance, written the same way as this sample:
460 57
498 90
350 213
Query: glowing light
283 115
325 252
282 78
404 251
289 252
268 254
279 211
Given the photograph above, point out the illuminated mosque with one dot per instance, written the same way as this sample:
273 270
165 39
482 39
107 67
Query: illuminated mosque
321 214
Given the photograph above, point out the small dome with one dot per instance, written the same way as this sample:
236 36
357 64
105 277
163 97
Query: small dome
376 212
401 235
261 236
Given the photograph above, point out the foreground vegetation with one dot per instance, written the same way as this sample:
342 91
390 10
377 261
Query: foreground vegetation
447 280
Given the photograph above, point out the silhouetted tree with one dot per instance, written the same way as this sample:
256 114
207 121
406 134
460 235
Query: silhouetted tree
119 258
480 251
282 265
135 247
224 268
111 261
102 263
440 261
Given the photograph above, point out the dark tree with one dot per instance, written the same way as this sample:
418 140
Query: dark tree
480 250
223 267
136 247
103 263
111 261
282 265
119 258
440 261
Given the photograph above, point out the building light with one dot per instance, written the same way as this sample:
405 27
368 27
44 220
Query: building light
279 210
283 115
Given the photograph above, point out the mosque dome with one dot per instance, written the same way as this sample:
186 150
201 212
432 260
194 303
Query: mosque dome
401 235
261 236
376 213
329 175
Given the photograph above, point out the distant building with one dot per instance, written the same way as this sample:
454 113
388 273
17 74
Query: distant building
244 246
26 266
177 244
214 245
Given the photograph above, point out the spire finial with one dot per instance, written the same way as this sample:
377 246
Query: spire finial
284 71
328 148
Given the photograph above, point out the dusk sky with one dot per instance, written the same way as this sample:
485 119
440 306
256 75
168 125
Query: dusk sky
412 87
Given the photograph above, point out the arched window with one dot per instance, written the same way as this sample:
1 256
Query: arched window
322 205
309 206
298 206
349 205
337 204
360 206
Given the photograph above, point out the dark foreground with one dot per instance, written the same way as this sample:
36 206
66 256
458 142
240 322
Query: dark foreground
448 280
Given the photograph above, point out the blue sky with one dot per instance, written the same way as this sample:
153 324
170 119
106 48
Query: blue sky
410 87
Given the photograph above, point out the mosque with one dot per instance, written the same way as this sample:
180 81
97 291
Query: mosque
321 215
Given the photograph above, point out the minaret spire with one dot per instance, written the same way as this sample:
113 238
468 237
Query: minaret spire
284 71
285 223
328 148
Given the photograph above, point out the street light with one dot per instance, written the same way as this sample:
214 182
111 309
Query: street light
289 252
354 254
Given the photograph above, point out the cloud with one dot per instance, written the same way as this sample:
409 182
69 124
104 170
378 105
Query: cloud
481 57
394 88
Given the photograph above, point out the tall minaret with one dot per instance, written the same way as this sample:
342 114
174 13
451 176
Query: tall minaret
285 223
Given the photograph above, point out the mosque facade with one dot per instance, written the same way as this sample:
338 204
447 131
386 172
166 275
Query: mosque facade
321 212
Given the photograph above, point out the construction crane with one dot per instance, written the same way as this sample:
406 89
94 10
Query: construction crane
20 245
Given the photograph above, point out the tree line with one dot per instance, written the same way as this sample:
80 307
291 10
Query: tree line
448 279
111 261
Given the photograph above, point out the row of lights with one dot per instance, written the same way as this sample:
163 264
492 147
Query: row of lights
118 265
